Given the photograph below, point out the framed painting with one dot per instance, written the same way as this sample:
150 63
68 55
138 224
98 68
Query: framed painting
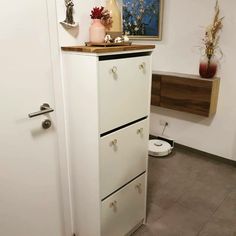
142 19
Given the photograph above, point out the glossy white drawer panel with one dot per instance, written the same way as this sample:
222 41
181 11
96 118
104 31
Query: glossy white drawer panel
124 91
122 156
122 211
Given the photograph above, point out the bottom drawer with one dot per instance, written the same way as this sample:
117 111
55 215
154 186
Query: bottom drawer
125 209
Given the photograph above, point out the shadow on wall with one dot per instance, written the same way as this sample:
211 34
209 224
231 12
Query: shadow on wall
74 32
182 116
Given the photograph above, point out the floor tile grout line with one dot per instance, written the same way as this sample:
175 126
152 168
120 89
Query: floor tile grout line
214 212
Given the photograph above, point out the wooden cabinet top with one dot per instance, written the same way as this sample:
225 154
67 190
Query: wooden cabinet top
96 50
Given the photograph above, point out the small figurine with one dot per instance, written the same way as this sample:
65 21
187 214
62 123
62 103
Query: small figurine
69 12
125 38
69 21
118 40
108 38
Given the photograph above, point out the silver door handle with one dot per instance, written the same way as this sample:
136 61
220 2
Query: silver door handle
44 109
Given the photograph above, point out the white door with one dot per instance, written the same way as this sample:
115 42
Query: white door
30 199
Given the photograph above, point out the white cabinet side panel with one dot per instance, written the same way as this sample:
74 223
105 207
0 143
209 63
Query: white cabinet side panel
80 82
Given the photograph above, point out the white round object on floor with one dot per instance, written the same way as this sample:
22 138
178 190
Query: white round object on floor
159 148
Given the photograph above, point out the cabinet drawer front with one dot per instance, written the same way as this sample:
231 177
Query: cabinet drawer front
126 82
123 156
122 211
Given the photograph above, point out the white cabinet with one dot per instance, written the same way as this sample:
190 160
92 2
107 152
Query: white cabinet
107 99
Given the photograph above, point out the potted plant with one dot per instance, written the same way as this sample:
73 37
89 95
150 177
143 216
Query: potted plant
208 63
101 20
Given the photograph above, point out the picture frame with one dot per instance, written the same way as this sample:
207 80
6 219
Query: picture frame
142 19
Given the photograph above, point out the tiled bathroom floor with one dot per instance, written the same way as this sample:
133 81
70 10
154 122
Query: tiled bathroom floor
190 195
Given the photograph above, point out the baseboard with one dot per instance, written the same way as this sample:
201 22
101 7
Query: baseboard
204 154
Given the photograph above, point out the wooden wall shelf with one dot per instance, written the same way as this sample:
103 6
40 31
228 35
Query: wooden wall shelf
183 92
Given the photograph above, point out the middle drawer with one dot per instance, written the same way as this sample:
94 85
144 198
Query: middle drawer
122 156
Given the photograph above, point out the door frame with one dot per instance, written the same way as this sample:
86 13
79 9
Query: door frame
63 153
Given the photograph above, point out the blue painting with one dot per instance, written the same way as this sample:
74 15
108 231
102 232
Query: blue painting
142 19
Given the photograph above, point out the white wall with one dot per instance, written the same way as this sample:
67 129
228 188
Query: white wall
184 22
183 27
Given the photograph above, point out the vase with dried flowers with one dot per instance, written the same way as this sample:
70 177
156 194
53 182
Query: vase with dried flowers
209 63
101 20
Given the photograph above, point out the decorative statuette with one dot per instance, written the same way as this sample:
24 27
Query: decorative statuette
69 21
125 38
108 38
118 40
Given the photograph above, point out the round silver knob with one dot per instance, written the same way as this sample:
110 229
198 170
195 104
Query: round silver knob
114 142
114 70
142 66
46 124
113 205
139 187
140 131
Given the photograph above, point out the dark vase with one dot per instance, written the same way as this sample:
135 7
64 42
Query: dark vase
208 65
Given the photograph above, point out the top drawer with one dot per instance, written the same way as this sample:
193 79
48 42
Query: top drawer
124 91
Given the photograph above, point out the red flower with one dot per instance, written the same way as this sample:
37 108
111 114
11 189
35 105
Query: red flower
96 13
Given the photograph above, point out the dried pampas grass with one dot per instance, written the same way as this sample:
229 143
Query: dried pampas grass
211 39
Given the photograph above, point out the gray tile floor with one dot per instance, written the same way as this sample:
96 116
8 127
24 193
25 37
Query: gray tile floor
190 195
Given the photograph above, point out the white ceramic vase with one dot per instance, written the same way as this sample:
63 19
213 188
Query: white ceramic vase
97 32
